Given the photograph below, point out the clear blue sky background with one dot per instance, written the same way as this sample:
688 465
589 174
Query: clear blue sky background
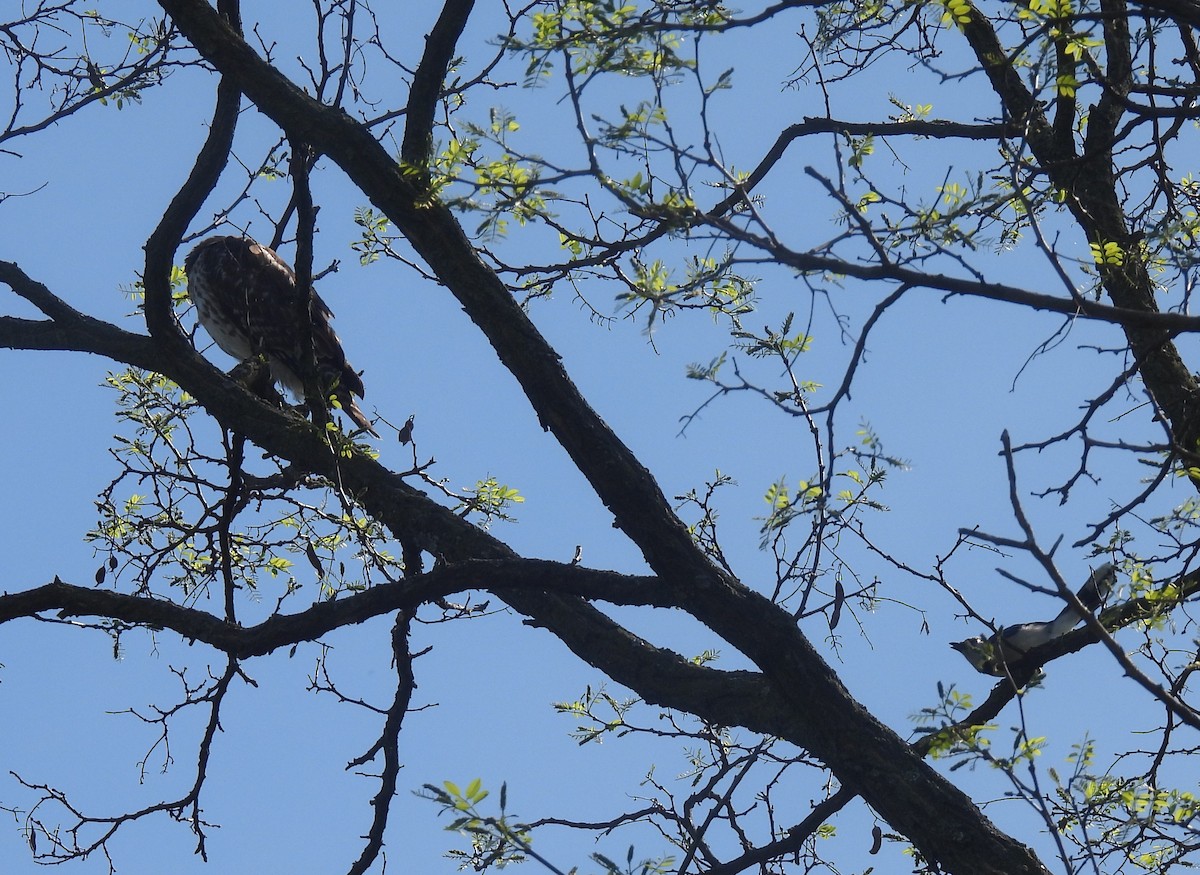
941 382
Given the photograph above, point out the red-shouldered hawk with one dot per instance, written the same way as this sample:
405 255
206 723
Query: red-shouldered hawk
246 299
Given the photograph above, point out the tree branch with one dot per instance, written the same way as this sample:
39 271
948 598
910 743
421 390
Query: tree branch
284 630
389 745
1172 323
1090 184
67 329
427 82
210 161
1180 10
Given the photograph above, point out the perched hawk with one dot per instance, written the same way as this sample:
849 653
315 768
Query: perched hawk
246 298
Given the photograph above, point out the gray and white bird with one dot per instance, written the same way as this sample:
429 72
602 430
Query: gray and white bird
246 298
1010 645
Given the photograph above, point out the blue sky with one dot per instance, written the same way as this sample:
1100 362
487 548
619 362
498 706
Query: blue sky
941 382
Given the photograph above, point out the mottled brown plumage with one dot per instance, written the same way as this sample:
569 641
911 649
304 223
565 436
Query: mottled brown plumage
247 300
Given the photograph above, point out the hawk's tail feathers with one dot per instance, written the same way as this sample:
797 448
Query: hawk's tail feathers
350 408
